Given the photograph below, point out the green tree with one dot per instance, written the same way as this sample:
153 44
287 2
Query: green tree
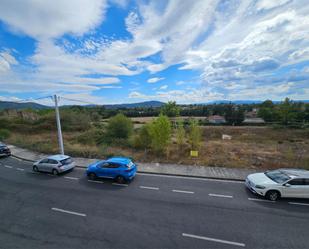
160 132
195 135
119 127
180 134
170 109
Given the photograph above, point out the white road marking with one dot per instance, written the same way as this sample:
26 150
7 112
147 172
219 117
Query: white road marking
213 240
223 196
145 187
68 212
20 169
120 184
254 199
182 191
299 203
71 178
191 178
95 181
8 166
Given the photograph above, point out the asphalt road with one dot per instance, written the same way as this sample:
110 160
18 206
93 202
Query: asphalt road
38 210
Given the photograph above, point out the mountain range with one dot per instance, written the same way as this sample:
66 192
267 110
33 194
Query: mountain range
145 104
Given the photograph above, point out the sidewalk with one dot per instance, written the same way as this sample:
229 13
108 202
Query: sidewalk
153 168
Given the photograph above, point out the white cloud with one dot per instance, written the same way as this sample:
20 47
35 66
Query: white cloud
154 80
164 87
38 18
6 61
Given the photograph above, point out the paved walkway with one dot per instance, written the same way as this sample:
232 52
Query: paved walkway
155 168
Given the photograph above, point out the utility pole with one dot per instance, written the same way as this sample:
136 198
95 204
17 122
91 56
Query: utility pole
60 141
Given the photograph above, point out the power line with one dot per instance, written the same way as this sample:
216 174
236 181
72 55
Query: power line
31 100
78 100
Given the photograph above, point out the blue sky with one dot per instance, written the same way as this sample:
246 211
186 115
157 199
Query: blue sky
124 51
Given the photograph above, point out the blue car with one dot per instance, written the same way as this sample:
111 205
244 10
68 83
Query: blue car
120 169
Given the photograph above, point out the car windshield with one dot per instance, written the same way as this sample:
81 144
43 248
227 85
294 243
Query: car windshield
277 176
66 161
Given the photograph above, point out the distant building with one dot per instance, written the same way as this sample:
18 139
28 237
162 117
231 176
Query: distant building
252 114
254 121
216 119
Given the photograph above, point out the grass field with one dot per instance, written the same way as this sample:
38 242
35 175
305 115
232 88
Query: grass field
250 147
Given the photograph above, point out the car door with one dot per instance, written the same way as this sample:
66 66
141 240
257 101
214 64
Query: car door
306 188
295 188
51 164
43 165
108 170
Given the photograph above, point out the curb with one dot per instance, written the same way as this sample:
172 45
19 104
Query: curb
153 173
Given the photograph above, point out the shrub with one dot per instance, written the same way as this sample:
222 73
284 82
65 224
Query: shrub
119 127
160 133
180 134
143 139
195 135
4 134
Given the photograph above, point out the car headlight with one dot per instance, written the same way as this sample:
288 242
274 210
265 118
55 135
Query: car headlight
260 186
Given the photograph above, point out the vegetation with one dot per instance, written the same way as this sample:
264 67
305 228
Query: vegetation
160 133
150 136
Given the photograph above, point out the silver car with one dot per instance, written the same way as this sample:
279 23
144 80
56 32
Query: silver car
55 164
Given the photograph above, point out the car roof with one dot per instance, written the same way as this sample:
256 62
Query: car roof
58 157
123 160
296 173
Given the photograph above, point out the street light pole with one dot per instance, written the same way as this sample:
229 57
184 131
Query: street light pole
60 141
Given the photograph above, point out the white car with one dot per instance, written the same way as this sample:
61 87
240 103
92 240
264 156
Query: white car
54 164
291 183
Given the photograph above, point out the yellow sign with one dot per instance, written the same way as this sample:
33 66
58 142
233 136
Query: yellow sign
194 153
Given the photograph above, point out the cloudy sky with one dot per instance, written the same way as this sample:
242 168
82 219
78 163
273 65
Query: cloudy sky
119 51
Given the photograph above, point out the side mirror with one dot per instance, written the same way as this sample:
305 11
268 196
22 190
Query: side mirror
287 185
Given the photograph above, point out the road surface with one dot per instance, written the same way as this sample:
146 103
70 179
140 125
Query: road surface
38 210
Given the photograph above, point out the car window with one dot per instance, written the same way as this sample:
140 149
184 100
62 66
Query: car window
109 165
297 182
44 161
51 161
306 181
66 161
277 176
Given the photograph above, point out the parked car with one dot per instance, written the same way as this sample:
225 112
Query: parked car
292 183
120 169
4 150
55 164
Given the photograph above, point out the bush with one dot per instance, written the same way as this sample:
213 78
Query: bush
143 139
4 134
160 133
195 135
119 127
180 134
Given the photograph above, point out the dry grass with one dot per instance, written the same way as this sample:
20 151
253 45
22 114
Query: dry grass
250 147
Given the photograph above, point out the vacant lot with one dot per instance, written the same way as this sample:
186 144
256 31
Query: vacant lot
256 147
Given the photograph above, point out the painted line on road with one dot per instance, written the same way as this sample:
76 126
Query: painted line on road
68 212
152 188
120 184
222 196
182 191
8 166
299 203
191 178
214 240
261 200
94 181
71 178
20 169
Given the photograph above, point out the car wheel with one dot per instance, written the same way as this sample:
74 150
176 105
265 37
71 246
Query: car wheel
55 172
272 195
92 176
35 169
120 179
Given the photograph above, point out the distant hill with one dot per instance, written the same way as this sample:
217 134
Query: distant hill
31 105
136 105
20 106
